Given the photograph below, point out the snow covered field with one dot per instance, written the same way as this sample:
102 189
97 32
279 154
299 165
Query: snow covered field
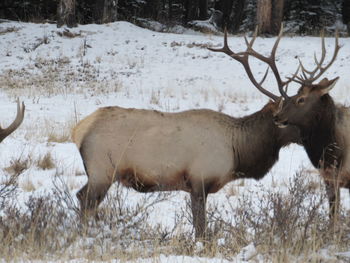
64 76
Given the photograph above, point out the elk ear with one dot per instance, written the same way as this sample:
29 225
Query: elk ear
325 85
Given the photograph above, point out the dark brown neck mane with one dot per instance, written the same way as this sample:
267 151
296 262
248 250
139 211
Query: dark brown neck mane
319 137
265 140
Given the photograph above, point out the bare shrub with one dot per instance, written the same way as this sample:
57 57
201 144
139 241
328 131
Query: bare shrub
10 29
59 137
49 227
7 188
45 162
49 77
18 165
68 34
39 231
282 226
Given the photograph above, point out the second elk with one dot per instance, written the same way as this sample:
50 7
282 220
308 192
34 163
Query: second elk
324 126
197 151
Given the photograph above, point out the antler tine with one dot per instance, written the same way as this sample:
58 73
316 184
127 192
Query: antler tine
225 49
311 78
14 125
242 57
290 79
251 42
253 80
324 69
311 73
324 51
281 84
269 60
264 77
273 51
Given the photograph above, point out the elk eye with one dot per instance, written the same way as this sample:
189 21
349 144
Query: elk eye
300 100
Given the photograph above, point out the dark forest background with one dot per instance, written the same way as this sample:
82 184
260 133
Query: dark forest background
299 16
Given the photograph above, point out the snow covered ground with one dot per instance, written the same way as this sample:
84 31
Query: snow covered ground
63 77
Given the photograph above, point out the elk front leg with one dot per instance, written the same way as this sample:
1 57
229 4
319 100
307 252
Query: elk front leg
333 199
198 206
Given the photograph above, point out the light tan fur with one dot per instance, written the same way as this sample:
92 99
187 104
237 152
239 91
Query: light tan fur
162 150
197 151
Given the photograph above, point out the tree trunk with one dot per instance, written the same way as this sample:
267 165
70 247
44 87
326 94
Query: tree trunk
190 10
346 13
153 9
238 13
105 11
225 6
264 15
66 13
277 15
170 16
203 9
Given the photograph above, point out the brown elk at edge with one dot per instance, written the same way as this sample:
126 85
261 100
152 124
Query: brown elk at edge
197 151
324 126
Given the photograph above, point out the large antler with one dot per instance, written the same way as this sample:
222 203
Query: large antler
243 57
308 76
14 125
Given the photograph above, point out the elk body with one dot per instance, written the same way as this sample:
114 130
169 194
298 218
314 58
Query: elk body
15 124
324 127
197 151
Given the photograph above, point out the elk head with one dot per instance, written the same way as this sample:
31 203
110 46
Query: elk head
14 125
304 107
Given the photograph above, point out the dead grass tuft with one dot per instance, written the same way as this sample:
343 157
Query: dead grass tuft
61 137
281 226
45 162
50 77
10 29
68 34
266 226
18 165
8 188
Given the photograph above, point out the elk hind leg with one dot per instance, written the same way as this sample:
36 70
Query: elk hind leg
90 196
198 206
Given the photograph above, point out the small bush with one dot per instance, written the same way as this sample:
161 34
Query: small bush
45 162
280 226
18 165
58 137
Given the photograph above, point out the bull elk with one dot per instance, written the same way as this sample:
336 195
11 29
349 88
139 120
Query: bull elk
197 151
15 124
324 126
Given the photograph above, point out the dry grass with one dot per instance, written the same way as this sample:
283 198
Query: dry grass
59 137
22 163
282 227
45 162
5 30
18 165
8 188
61 132
27 185
50 77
